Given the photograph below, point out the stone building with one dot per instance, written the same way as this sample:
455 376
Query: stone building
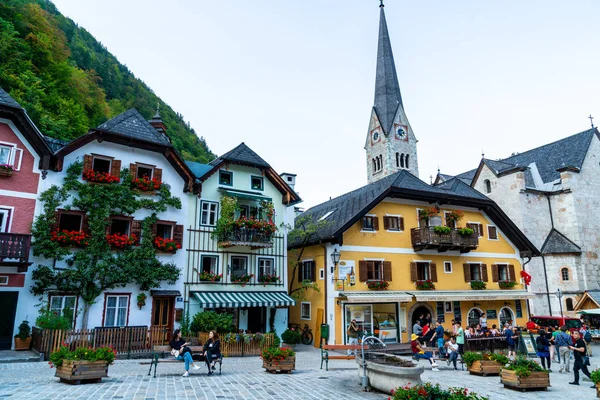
551 193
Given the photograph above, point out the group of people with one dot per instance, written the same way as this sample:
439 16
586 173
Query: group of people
211 351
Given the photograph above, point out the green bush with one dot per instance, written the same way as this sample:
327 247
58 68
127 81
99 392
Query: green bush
211 321
24 331
291 336
478 285
82 353
524 367
595 375
427 391
444 230
470 357
52 320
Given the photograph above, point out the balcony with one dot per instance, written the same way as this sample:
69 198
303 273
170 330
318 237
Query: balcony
256 238
14 250
426 237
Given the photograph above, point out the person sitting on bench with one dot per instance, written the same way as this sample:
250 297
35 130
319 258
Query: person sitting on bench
212 350
182 352
418 352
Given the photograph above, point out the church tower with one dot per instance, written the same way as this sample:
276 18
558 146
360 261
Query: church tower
391 145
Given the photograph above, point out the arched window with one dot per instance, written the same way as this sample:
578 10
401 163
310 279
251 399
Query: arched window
374 165
397 160
473 317
564 274
406 161
402 160
569 304
488 186
506 316
378 163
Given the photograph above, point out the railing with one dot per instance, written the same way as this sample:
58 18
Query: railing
426 237
246 237
486 343
14 246
130 340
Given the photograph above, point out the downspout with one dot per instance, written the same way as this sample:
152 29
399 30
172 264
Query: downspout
528 300
544 258
324 283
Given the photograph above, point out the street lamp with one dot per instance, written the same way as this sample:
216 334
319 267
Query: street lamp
335 259
559 295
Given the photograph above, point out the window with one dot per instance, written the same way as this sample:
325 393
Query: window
322 273
506 316
423 272
374 270
256 182
244 211
239 266
370 223
564 273
210 264
120 226
226 178
208 216
475 272
164 230
3 280
4 216
266 266
406 161
569 304
115 312
393 223
397 160
143 171
488 186
70 222
503 274
305 310
492 232
101 165
448 306
63 305
477 227
6 154
306 271
450 223
448 267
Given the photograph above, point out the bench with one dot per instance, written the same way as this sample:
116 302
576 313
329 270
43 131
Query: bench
162 354
327 347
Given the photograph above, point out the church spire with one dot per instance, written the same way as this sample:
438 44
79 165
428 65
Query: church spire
387 89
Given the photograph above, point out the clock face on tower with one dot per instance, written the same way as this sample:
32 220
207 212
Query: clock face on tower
375 136
401 132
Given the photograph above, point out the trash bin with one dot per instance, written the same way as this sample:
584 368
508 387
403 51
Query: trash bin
325 332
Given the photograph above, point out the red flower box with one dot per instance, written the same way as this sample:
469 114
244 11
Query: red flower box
99 177
166 245
146 184
118 241
69 238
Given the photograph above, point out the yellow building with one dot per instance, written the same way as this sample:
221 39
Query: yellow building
404 233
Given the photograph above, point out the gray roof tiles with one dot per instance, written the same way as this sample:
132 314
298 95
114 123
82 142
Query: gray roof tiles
242 154
132 124
557 243
6 100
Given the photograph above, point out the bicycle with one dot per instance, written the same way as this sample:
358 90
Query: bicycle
307 336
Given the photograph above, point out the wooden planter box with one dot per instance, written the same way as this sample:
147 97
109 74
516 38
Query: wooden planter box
485 368
287 365
76 372
535 381
22 344
598 389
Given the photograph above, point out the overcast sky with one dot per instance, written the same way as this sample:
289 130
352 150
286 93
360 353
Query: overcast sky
294 80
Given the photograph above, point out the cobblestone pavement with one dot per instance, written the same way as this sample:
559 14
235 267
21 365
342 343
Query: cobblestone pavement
243 378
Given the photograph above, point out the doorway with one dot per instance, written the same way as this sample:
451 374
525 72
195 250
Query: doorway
162 316
256 319
8 309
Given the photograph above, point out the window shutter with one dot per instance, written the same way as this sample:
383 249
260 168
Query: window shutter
133 170
492 232
387 270
401 223
484 274
386 222
313 271
115 168
362 271
136 228
18 157
480 228
495 277
433 272
467 270
87 163
56 220
107 229
177 234
376 223
414 276
511 273
153 230
157 174
300 268
85 224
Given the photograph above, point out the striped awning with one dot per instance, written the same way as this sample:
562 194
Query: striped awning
243 299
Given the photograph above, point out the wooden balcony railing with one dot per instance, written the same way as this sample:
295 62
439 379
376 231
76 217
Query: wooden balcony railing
255 238
14 250
426 237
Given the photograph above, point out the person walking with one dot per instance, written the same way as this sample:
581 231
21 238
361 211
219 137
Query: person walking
563 341
586 335
438 338
460 338
551 347
555 334
510 341
543 350
352 333
579 351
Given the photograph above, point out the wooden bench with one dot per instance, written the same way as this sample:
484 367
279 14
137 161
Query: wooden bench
327 347
162 354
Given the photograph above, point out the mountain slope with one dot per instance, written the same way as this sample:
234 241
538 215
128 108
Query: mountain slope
69 82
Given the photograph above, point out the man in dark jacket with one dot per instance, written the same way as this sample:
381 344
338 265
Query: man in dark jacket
579 351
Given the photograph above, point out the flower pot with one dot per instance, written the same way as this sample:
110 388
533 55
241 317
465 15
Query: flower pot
536 380
141 304
76 372
485 368
286 365
22 344
598 389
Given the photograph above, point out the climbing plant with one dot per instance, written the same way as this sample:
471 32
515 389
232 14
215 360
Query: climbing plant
94 268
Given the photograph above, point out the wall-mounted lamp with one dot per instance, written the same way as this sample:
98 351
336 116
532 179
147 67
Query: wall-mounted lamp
335 259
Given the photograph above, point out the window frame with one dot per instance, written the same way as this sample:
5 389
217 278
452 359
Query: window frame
12 155
302 315
304 273
396 218
448 307
129 221
262 182
374 268
451 267
128 308
258 266
6 222
479 266
238 257
104 158
165 223
322 274
478 230
209 212
453 222
562 277
63 297
212 256
488 186
497 238
4 279
503 267
364 223
572 308
424 268
222 174
146 166
81 214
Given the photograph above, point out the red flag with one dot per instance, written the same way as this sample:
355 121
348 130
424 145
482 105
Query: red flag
526 277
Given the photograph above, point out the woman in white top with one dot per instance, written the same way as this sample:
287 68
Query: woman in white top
483 322
452 350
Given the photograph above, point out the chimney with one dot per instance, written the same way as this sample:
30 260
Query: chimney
290 179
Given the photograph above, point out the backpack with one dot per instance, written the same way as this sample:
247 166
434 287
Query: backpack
587 337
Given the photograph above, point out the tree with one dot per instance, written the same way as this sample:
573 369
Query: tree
304 233
95 268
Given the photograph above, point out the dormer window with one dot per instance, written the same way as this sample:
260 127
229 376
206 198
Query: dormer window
101 165
226 178
257 183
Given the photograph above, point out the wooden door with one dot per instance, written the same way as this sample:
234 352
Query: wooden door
162 316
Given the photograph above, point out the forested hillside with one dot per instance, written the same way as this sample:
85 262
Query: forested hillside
69 82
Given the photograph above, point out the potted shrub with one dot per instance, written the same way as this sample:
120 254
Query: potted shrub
442 230
82 365
425 285
120 242
478 285
69 238
145 184
377 285
595 376
210 277
507 284
465 231
267 278
166 245
242 279
431 391
484 364
522 373
23 338
291 337
6 169
278 359
99 177
141 300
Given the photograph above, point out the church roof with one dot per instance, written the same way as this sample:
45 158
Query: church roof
132 124
242 154
6 100
342 212
557 243
387 89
